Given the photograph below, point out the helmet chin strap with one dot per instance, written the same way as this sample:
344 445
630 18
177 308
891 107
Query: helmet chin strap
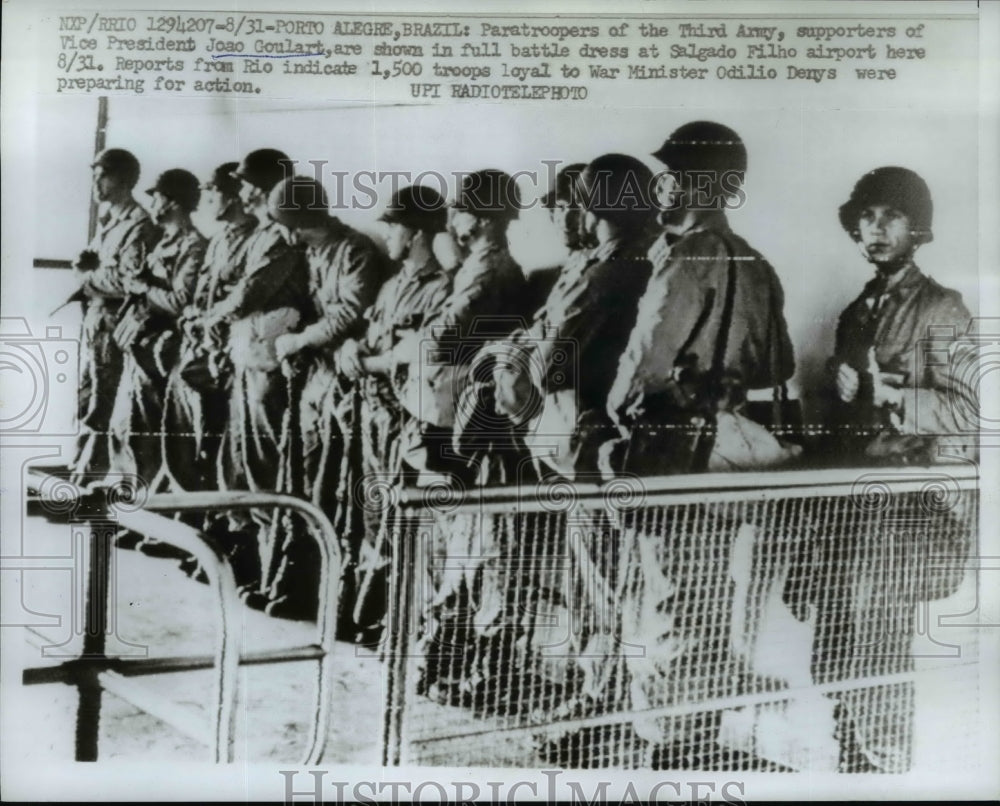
227 208
892 267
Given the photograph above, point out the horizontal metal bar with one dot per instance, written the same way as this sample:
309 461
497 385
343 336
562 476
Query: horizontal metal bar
189 721
631 492
51 263
703 706
70 671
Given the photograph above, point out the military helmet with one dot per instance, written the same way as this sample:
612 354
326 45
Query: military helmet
562 186
704 145
418 207
618 188
263 168
489 194
897 187
119 163
222 179
179 186
299 202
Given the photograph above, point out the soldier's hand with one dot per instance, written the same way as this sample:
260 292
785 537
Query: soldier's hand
190 323
133 285
848 383
87 260
407 349
611 457
513 392
349 360
885 392
287 344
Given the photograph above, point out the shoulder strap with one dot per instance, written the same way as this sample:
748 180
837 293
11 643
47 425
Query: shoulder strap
779 392
718 360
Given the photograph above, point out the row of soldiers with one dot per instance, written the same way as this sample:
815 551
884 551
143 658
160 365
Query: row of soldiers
290 353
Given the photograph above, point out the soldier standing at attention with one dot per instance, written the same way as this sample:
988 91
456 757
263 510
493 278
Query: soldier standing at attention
484 304
149 329
462 644
880 376
345 271
712 315
269 300
412 219
119 247
897 402
196 397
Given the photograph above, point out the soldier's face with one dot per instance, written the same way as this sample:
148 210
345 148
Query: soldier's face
885 235
250 196
105 184
464 228
669 194
160 208
567 220
588 228
397 240
212 202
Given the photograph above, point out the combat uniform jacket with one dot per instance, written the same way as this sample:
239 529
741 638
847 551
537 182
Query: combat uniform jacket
413 294
483 305
916 328
137 418
670 571
345 271
123 238
409 298
225 256
680 316
265 303
194 417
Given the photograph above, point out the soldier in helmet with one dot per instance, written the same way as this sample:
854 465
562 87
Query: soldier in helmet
197 396
555 375
578 337
880 377
148 331
413 218
196 391
345 272
269 300
123 238
710 331
502 395
714 308
897 401
593 305
564 213
484 303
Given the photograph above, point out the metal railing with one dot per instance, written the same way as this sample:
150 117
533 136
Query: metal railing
106 510
685 579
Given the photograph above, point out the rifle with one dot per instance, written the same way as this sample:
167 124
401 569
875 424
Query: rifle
77 296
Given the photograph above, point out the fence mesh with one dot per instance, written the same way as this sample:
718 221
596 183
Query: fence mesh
770 629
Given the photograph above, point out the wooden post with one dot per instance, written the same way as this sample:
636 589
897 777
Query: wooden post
99 140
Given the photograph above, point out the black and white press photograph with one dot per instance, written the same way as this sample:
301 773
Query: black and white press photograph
546 401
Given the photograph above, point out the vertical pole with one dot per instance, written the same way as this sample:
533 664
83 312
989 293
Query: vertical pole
99 140
405 565
88 714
